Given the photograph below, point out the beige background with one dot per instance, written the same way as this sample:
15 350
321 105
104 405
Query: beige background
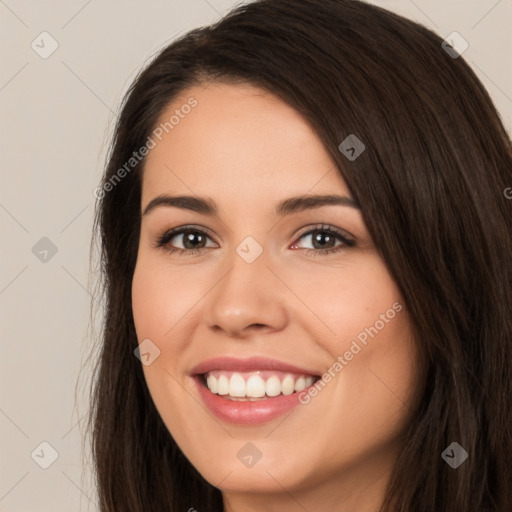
56 117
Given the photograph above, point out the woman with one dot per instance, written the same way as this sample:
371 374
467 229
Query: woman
306 250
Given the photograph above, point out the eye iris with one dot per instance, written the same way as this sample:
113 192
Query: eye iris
328 239
190 237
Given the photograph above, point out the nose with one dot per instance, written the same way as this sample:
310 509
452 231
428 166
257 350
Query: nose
247 299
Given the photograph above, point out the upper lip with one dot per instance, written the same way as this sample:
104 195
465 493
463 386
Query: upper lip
247 365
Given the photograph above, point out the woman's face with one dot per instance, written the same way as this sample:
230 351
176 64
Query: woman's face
261 295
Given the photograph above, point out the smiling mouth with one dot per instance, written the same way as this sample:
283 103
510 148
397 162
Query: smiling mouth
255 385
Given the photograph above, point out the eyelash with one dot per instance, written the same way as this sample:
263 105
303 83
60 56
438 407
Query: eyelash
163 239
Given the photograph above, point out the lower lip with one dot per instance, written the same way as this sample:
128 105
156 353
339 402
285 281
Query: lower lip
246 413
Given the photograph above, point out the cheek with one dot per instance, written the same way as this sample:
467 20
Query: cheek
366 330
161 299
159 312
347 299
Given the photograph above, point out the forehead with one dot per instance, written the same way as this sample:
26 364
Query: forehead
238 142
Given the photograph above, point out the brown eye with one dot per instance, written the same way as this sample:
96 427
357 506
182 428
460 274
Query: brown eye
325 240
192 240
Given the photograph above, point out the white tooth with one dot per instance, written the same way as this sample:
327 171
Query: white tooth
273 387
300 384
223 385
309 381
287 386
211 382
255 386
237 385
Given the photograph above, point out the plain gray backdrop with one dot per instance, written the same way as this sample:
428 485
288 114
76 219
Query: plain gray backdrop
65 66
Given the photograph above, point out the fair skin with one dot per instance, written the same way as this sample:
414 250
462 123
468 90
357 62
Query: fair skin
247 151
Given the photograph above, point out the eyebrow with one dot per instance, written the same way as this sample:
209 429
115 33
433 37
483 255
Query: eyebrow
286 207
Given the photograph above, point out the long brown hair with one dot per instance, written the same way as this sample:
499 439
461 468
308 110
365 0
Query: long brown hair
431 185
